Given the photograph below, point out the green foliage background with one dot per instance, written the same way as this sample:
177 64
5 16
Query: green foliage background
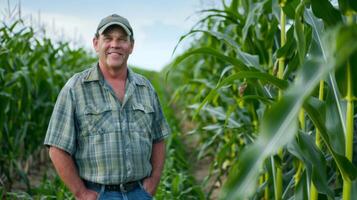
269 85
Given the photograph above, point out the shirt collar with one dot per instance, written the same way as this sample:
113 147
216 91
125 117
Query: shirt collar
94 74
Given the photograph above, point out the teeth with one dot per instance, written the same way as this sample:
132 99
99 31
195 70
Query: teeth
113 52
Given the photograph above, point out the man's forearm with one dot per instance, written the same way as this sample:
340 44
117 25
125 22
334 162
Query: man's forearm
157 162
67 170
158 159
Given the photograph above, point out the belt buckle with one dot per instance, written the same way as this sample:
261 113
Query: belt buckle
122 188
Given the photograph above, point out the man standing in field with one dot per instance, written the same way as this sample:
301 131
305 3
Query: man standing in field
106 134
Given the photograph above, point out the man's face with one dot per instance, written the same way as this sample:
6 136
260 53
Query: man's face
113 48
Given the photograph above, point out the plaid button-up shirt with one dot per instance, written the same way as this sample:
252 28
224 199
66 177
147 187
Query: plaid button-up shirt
110 141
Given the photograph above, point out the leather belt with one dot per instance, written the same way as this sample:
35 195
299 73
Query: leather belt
122 187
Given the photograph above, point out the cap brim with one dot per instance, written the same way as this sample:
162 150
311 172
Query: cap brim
101 30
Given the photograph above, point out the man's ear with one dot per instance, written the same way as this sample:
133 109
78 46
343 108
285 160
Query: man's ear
95 43
131 46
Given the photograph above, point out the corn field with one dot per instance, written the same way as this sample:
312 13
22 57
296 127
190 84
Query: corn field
31 75
270 85
267 90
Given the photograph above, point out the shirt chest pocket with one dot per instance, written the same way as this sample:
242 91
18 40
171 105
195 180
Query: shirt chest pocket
142 117
140 127
96 120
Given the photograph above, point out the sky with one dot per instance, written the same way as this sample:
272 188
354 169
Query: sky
157 24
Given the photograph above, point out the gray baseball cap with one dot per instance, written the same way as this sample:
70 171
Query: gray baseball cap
115 19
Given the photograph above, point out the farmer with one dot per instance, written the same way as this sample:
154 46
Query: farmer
106 134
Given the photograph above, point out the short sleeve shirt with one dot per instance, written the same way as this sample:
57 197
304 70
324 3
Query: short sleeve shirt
110 141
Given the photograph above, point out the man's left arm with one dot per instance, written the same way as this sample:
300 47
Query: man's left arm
157 161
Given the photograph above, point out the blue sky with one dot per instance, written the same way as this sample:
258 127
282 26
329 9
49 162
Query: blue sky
157 24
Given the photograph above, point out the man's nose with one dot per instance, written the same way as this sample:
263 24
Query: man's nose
115 44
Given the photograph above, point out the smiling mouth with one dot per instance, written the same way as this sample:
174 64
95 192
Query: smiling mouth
114 53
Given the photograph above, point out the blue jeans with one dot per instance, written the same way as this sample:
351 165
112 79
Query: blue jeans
138 193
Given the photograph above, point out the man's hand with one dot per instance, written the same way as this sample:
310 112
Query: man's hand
87 195
150 185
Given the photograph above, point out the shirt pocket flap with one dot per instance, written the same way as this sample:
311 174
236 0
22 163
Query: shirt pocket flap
96 119
95 110
143 108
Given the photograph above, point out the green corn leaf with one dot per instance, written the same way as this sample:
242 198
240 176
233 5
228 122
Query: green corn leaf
265 100
246 58
301 190
275 135
341 77
252 18
299 31
354 190
282 84
240 75
288 49
347 169
220 114
333 123
289 8
324 10
346 52
213 52
306 150
234 15
345 45
348 7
